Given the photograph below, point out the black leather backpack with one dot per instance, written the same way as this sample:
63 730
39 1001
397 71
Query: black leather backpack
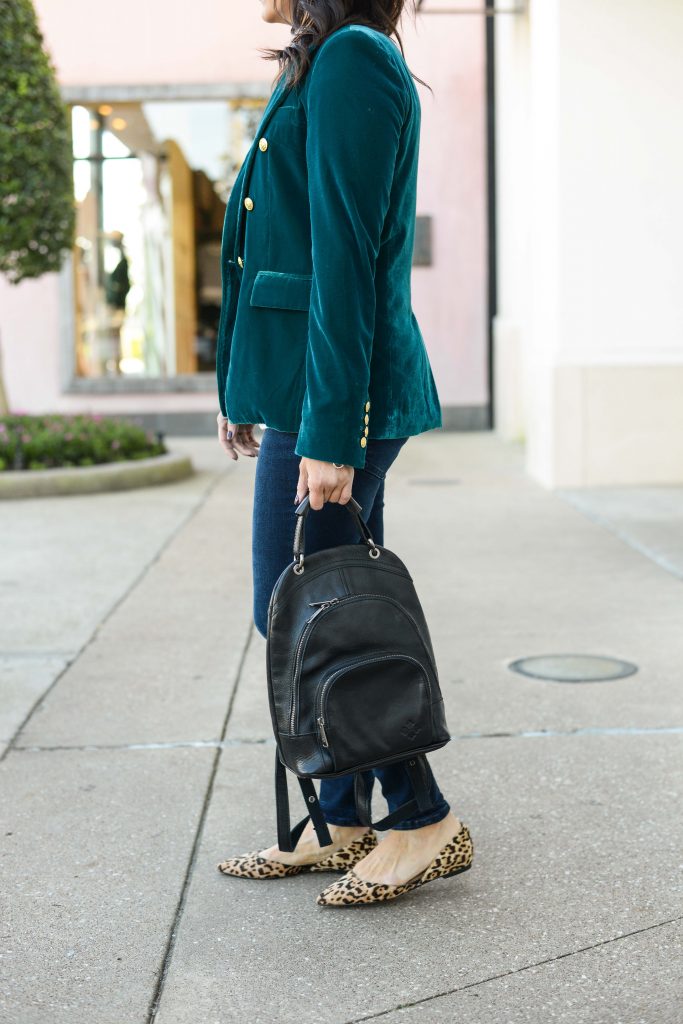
352 680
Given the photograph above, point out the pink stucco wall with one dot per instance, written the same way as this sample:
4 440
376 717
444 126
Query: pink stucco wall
166 41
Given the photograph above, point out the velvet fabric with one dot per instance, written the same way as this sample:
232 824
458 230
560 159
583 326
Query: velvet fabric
318 322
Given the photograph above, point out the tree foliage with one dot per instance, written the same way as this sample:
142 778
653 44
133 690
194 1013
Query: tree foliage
37 211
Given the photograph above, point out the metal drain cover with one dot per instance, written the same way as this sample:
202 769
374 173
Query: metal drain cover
573 668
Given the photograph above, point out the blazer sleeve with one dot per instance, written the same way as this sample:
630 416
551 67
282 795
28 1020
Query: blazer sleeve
356 106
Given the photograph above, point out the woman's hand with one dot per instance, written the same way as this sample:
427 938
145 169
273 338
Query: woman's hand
236 437
323 482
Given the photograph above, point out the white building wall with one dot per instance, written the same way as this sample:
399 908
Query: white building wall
590 164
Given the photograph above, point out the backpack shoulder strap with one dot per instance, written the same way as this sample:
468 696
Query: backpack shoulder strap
420 775
288 837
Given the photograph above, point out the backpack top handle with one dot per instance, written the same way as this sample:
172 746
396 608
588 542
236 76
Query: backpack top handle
302 510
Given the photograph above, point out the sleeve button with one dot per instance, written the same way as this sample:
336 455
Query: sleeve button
367 407
363 442
249 203
263 144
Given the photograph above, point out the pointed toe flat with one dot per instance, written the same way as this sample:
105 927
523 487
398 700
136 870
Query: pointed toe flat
251 865
351 890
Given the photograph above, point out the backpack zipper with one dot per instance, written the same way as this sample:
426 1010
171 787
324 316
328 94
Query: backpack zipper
322 606
321 729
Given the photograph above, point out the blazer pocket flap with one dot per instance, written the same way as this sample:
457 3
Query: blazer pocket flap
281 291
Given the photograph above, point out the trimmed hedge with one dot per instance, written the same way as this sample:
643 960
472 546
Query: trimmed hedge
50 441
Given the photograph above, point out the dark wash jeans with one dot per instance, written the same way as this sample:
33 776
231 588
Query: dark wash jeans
277 474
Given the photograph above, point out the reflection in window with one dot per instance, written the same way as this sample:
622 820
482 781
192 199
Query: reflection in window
151 181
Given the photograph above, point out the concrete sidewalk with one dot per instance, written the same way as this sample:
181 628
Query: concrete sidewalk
138 753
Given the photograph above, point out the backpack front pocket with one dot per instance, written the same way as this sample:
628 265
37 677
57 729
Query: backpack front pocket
323 638
370 708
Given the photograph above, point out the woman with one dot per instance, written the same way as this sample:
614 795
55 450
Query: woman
319 342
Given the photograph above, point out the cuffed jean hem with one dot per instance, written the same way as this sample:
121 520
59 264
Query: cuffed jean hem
344 822
337 801
426 819
410 823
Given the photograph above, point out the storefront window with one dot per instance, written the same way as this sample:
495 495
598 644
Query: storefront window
151 181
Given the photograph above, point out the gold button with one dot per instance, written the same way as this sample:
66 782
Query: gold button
240 261
367 407
249 203
367 431
367 418
263 145
363 442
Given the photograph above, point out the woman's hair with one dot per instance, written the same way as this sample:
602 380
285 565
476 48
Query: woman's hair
314 20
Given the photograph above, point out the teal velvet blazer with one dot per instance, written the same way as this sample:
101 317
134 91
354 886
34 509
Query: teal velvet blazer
317 335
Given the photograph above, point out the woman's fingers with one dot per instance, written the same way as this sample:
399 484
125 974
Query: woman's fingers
245 438
323 482
342 493
225 434
316 494
302 483
237 437
249 435
341 488
346 492
242 445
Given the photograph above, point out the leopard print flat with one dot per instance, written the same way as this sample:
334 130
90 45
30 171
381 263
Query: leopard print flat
456 856
250 865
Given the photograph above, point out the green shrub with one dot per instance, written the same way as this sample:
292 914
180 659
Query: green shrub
45 442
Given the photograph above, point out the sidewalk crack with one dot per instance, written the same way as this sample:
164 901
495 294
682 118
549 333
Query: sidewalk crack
507 974
159 745
225 743
75 655
182 900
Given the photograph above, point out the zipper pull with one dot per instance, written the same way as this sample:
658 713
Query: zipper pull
320 606
323 734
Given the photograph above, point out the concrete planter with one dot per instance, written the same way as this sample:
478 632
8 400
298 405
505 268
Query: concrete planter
109 476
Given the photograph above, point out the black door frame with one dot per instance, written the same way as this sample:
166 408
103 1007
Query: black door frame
491 226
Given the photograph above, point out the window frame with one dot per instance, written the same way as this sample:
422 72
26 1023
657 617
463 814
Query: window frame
70 382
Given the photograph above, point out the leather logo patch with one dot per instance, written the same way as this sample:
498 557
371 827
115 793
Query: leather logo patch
410 730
